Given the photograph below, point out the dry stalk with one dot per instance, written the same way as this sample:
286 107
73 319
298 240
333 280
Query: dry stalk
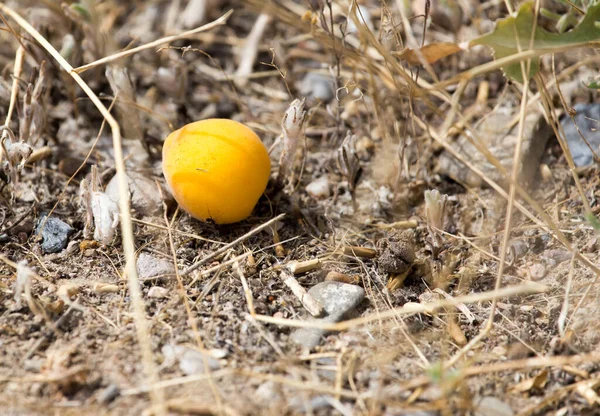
7 138
20 54
250 49
309 303
298 267
355 251
564 311
247 291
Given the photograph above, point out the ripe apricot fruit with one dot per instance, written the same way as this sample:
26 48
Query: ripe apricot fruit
216 169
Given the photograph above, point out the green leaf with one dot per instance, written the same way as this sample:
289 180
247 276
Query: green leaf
594 222
514 34
593 84
82 10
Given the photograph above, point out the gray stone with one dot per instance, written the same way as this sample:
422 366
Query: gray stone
299 404
268 393
149 266
338 300
317 86
587 119
55 234
495 135
110 393
492 406
191 361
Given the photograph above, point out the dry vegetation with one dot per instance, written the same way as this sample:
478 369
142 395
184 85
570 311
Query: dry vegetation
480 278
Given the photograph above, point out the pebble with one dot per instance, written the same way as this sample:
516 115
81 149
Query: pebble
55 234
191 361
492 406
317 86
110 393
557 255
501 143
338 300
500 351
538 271
149 266
299 404
587 120
158 292
268 393
319 188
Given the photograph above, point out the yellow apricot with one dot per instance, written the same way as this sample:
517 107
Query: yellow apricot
216 169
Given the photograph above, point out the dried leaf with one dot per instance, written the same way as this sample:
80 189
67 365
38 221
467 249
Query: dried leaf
537 382
456 333
431 53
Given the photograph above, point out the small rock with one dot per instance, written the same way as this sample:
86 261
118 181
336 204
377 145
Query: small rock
338 300
110 393
149 266
268 393
397 253
145 198
24 192
500 351
592 245
558 255
317 86
33 365
538 271
191 361
587 120
319 188
158 292
492 406
55 234
299 405
516 250
501 142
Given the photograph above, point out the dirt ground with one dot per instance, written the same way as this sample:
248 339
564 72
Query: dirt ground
377 130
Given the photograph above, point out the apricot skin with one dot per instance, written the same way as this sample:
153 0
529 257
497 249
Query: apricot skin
216 169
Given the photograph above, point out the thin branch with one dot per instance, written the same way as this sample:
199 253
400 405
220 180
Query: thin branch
167 39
